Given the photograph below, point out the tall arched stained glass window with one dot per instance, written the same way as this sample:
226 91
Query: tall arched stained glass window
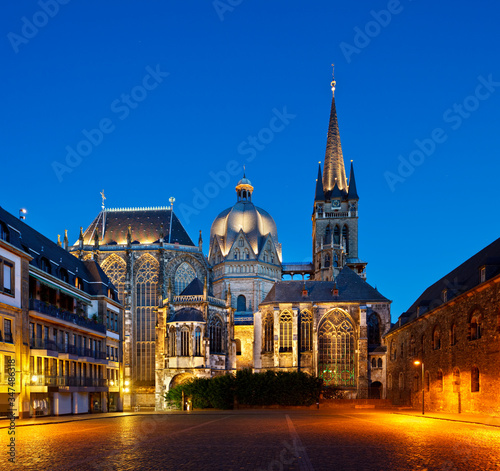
305 331
183 276
337 350
373 329
268 333
285 332
215 330
116 269
146 284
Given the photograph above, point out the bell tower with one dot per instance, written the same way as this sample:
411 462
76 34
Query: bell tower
335 212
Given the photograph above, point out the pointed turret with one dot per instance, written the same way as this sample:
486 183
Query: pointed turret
65 241
200 242
334 160
320 194
352 194
59 240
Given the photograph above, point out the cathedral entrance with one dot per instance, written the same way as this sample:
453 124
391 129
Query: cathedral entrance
336 363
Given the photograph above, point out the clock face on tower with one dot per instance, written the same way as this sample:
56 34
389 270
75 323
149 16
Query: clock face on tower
336 203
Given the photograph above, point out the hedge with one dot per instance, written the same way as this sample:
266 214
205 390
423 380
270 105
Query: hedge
247 388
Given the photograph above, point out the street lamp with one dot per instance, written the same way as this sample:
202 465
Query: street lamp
416 363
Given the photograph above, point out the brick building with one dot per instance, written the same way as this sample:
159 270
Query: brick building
454 329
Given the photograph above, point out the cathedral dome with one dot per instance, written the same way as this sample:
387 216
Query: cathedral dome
244 216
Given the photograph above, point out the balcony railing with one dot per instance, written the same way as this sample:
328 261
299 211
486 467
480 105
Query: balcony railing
63 348
54 311
50 380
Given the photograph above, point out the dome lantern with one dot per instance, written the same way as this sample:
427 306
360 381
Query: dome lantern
244 189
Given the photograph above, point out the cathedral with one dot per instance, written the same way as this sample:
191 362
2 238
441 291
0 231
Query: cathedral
188 315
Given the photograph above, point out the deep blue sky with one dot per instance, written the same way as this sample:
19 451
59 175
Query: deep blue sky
228 70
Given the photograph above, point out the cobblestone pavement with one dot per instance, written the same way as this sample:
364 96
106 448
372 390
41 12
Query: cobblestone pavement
256 440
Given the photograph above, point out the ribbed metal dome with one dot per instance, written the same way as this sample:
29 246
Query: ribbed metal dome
244 216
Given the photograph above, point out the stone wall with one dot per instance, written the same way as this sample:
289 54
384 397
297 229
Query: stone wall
454 392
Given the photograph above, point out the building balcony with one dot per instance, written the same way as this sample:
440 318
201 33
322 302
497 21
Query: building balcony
57 381
58 313
51 346
336 214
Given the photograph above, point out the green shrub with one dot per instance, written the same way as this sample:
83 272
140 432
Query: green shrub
253 389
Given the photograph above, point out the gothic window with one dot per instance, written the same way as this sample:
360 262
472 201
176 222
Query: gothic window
436 338
415 382
305 331
374 363
345 237
241 304
337 349
172 341
439 381
327 261
327 240
413 348
236 254
475 326
185 342
456 380
240 242
335 260
247 254
285 332
146 284
393 351
183 276
197 342
272 258
453 334
266 256
336 235
474 379
215 330
402 349
115 268
319 208
373 329
268 333
379 362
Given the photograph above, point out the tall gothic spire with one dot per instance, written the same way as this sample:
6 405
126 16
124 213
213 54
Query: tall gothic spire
334 160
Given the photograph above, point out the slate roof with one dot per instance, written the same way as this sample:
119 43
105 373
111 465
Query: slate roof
27 239
351 287
460 280
188 314
145 223
194 288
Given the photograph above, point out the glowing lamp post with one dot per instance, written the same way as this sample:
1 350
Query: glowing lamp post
416 363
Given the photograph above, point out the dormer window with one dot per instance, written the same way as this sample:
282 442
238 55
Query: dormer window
45 265
4 233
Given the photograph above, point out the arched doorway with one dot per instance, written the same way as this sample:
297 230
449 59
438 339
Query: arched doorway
375 390
336 356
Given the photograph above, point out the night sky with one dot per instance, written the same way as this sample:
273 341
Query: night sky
149 100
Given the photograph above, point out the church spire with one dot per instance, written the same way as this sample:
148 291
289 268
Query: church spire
352 193
319 195
334 160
